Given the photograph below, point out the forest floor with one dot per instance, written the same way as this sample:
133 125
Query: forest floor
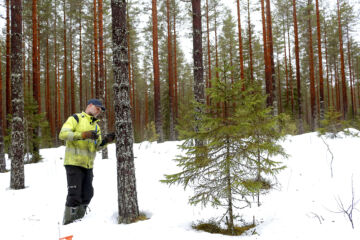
305 205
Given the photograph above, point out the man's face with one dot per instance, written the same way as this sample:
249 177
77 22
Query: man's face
93 110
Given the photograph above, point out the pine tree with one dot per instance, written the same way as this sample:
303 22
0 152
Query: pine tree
127 195
8 64
298 77
157 102
230 165
2 154
34 120
17 178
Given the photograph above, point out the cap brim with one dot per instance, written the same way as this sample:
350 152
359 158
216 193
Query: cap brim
102 108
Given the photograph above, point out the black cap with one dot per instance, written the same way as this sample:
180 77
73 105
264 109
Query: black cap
97 103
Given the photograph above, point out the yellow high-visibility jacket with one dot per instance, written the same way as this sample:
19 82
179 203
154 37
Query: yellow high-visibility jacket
80 152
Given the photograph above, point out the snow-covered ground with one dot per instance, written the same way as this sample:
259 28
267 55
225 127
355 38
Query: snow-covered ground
304 206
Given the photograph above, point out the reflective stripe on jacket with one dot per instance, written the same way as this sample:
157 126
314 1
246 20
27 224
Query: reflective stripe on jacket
80 152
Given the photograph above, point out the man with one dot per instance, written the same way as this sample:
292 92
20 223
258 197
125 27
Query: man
83 138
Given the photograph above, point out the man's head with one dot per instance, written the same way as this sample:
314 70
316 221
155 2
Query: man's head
94 107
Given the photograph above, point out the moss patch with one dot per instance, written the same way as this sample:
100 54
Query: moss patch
213 227
141 217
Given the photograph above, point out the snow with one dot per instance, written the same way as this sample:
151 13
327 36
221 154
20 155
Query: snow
303 206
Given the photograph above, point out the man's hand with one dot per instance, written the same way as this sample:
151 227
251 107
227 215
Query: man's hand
89 135
108 139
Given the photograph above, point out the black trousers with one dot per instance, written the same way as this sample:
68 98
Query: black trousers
79 184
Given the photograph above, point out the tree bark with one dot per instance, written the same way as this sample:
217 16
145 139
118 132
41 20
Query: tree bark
217 75
270 55
353 104
240 43
57 90
312 73
327 65
250 44
286 68
72 78
127 195
8 66
321 78
66 100
82 105
176 104
36 75
197 52
170 75
208 84
342 61
298 77
104 120
96 54
49 114
266 59
17 178
2 154
199 88
157 100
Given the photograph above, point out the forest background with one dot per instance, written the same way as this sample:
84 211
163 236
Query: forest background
66 61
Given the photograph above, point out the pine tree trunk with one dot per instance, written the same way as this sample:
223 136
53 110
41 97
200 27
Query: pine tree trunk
290 66
170 77
240 43
17 178
208 83
280 107
57 113
270 55
176 104
313 119
327 65
157 100
24 63
298 77
353 105
66 100
92 75
216 59
250 44
199 88
321 79
36 77
356 73
266 59
82 105
337 88
96 54
8 66
47 83
72 80
2 154
286 68
104 120
332 89
342 61
197 52
127 195
130 72
229 190
146 117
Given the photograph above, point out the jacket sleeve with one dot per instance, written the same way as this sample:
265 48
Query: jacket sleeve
68 132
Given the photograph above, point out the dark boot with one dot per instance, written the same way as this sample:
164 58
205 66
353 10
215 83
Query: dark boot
70 214
82 211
